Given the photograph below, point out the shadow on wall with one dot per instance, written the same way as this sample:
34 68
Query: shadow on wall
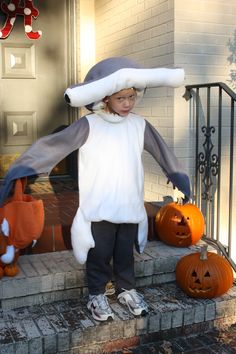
232 60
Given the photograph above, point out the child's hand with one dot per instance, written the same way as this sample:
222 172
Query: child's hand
185 199
179 195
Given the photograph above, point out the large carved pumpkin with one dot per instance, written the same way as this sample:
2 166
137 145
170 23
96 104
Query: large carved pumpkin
179 225
204 274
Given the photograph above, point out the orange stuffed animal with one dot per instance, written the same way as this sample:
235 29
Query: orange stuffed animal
21 223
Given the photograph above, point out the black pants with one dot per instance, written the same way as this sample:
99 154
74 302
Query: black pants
111 241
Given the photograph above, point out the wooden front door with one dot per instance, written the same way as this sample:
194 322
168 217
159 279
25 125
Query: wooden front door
34 74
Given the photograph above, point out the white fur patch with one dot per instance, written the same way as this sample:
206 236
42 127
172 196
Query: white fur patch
8 257
5 227
81 237
142 234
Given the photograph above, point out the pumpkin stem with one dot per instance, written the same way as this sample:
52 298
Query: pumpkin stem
203 253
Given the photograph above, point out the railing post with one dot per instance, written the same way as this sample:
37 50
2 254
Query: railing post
231 172
208 164
219 166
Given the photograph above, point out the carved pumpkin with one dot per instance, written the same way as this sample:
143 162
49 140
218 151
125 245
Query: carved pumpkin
11 269
179 225
204 274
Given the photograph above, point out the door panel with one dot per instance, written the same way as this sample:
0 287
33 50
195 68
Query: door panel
34 76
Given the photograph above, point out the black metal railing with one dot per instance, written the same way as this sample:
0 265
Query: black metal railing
213 117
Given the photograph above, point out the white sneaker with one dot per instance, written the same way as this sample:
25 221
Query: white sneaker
99 307
135 302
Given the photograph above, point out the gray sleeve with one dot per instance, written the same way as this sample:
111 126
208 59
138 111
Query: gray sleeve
172 168
45 153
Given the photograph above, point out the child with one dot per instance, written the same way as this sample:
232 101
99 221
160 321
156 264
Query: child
111 217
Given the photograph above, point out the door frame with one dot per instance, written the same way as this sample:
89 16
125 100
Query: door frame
72 52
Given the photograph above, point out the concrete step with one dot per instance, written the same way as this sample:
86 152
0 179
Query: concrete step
66 326
48 277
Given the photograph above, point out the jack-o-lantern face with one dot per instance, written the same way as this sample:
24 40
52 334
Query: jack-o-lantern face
201 284
204 275
180 225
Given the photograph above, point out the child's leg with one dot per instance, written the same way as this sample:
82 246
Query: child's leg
99 270
123 257
124 270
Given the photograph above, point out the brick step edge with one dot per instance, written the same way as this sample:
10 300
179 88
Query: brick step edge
67 325
207 337
56 276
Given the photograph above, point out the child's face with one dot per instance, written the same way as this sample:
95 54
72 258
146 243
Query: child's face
121 102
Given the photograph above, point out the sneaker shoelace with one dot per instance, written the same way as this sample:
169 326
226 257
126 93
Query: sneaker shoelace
101 301
110 289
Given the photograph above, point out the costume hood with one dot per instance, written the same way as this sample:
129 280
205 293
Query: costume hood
114 74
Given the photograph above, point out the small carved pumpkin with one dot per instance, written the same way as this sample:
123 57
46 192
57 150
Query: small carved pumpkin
204 274
11 269
179 225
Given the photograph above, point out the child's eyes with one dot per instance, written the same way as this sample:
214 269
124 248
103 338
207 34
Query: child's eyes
132 97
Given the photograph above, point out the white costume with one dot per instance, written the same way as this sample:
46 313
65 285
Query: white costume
111 176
